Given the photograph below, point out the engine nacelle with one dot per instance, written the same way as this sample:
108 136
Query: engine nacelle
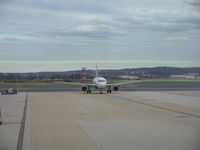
84 88
116 88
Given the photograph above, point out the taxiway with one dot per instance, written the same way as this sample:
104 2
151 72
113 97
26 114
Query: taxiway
123 120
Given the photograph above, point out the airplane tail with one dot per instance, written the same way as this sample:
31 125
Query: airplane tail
96 71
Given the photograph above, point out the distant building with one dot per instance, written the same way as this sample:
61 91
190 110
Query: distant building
186 76
126 77
192 74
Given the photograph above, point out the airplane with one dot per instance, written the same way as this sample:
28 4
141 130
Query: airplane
98 83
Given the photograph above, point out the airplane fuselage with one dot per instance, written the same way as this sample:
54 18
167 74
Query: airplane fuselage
100 82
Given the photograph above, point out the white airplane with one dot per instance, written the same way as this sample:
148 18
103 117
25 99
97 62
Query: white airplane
98 83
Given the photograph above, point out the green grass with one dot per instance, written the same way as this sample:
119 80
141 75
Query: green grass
32 84
168 83
36 85
162 84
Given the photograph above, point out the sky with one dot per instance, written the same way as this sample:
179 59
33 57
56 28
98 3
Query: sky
61 35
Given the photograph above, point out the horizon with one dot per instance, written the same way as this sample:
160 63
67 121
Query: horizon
93 68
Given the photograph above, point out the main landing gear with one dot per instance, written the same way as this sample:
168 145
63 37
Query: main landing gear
109 90
89 90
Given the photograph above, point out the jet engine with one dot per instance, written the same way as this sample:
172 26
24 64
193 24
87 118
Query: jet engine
116 88
84 88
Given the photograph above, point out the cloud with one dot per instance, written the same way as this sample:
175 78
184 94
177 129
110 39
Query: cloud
14 36
64 23
104 17
163 20
193 2
86 31
121 29
178 38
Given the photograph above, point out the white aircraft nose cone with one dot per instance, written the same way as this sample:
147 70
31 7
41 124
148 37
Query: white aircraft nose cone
102 85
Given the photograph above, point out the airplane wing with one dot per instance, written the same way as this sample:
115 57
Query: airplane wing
75 83
121 83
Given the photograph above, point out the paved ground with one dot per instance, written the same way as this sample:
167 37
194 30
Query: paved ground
167 120
150 88
126 120
11 109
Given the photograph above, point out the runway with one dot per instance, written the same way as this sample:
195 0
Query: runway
177 88
123 120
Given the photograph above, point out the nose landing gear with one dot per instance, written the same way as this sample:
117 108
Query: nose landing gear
101 91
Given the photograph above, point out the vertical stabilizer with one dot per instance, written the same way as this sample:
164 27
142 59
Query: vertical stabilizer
96 71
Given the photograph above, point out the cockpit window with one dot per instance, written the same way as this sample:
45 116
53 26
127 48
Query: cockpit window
101 80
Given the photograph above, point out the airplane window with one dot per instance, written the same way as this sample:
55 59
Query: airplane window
101 80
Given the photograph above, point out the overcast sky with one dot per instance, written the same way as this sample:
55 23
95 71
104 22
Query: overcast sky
59 35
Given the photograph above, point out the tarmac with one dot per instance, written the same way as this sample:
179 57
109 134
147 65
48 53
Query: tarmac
125 120
150 88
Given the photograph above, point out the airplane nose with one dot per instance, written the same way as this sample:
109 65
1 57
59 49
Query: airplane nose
102 85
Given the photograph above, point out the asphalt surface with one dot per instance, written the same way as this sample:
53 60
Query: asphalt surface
180 88
141 120
11 109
